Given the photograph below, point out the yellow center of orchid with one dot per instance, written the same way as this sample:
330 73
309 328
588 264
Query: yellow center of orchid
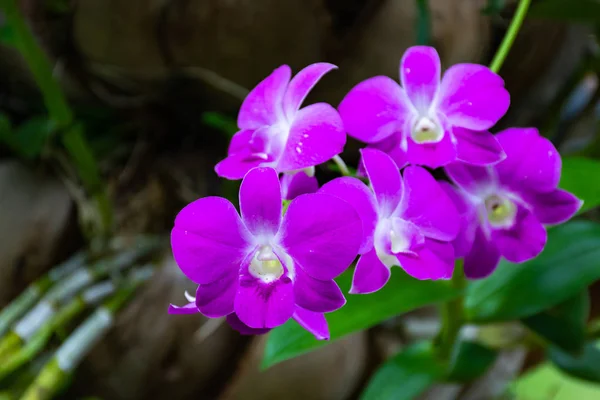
426 130
265 265
501 211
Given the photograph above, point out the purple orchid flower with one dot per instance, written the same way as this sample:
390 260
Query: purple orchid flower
264 268
504 207
429 121
406 221
295 184
275 132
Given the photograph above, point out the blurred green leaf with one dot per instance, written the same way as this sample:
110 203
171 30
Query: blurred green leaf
572 10
220 122
565 324
585 365
28 139
494 7
401 294
547 382
406 375
580 177
470 360
569 263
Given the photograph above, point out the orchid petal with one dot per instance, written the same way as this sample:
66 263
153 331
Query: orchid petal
358 195
420 75
301 85
374 109
260 201
262 106
322 233
208 239
316 135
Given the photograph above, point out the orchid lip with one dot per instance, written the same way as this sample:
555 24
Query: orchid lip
500 211
265 265
426 130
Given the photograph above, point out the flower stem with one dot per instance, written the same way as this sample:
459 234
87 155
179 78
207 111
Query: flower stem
60 113
510 36
452 313
423 23
341 165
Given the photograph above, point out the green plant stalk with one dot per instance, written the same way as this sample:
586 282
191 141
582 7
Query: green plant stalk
58 371
452 313
60 112
29 296
423 23
510 36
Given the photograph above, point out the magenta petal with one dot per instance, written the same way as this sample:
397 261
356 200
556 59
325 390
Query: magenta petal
374 109
293 185
469 222
391 147
524 241
313 322
215 299
322 233
370 274
420 75
301 85
469 178
428 206
433 155
208 239
264 305
553 207
532 161
358 195
477 148
189 308
236 166
240 141
385 179
316 135
316 295
473 97
260 201
482 259
434 261
234 321
262 106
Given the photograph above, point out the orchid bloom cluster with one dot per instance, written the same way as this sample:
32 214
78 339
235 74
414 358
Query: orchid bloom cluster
269 263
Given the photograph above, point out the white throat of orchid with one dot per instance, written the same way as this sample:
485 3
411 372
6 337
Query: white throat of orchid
265 265
426 130
389 239
501 211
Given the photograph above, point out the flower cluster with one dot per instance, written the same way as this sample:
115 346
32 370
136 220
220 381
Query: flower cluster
270 263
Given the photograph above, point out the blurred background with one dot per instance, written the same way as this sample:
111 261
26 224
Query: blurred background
146 101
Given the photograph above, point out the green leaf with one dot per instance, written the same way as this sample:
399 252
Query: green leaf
405 375
470 360
547 382
31 136
569 263
565 324
220 122
494 7
401 294
584 366
571 10
580 177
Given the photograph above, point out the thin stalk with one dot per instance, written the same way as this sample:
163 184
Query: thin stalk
510 36
453 315
29 296
60 112
35 344
423 23
341 164
59 370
